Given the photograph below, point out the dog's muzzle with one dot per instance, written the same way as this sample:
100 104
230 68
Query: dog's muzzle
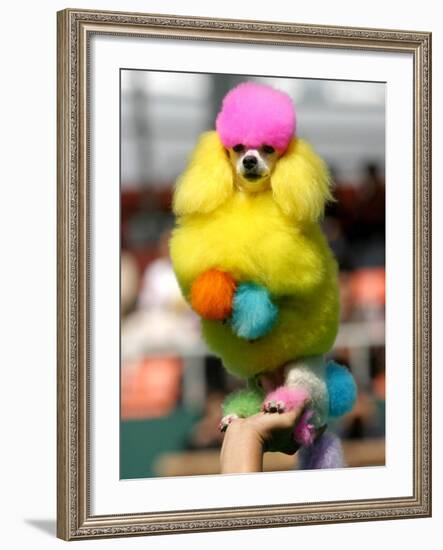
250 163
250 168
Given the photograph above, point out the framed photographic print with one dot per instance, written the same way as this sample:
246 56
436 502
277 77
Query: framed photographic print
244 248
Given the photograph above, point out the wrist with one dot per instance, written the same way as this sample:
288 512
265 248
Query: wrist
242 449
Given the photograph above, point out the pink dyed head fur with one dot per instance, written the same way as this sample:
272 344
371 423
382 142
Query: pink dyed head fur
255 115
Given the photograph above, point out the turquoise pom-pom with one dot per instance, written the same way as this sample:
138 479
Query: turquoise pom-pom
253 313
342 389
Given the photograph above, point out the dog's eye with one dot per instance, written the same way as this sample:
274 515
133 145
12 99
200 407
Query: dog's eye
238 148
268 149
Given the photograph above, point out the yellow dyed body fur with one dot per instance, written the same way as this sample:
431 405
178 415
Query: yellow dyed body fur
270 238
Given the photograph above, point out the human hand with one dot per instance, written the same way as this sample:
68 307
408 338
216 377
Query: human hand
246 439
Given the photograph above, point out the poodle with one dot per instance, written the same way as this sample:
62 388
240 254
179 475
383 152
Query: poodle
251 259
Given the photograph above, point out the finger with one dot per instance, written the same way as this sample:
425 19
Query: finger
287 420
281 421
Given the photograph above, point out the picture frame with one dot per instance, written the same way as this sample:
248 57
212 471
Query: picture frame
76 316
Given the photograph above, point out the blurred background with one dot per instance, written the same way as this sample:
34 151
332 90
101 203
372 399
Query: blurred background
171 386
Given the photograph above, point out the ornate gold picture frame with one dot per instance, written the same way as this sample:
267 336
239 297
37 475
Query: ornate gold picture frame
75 30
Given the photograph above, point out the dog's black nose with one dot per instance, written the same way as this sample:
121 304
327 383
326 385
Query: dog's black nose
250 162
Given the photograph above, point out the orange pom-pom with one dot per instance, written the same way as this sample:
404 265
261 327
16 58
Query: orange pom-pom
212 294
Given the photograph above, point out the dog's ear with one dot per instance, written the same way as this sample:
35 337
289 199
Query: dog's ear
208 179
301 182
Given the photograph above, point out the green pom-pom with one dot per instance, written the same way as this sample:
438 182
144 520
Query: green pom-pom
243 403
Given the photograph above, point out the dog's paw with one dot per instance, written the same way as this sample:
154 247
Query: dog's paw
285 399
225 421
273 406
253 313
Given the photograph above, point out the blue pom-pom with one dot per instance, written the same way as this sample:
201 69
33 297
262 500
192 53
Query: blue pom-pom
342 389
253 313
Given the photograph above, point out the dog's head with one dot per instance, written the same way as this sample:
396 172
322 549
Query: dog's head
254 150
252 166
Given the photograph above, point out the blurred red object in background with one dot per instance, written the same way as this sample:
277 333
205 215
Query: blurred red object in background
150 387
368 287
379 385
